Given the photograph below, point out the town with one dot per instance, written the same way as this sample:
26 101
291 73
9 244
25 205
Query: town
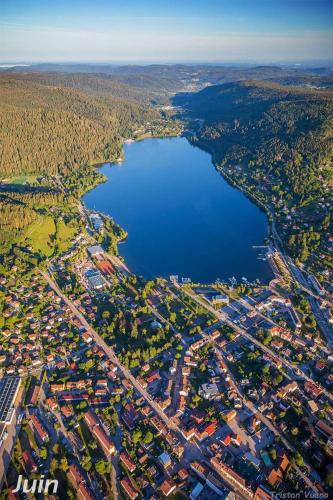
121 387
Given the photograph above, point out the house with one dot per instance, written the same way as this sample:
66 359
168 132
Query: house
312 389
230 415
274 477
198 344
209 391
215 334
57 387
129 489
39 428
226 440
167 487
208 429
104 440
283 462
313 406
127 461
324 429
153 376
95 250
165 460
196 491
182 474
29 463
286 389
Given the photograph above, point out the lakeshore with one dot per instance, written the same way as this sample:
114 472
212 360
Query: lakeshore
182 217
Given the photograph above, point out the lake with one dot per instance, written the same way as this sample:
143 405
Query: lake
181 216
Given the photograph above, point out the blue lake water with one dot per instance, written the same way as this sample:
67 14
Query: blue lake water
182 217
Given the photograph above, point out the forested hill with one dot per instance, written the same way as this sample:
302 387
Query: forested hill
276 142
263 121
53 127
49 122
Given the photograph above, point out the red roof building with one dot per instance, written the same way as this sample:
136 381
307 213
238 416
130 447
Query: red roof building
127 461
104 440
167 487
39 428
128 488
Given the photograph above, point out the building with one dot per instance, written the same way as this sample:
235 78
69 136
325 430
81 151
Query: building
165 459
196 491
39 428
296 322
91 419
325 429
127 461
96 221
95 279
104 440
252 459
231 477
8 392
93 423
167 487
262 494
29 463
129 489
209 391
230 415
95 250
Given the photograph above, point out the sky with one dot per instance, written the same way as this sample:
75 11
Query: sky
165 30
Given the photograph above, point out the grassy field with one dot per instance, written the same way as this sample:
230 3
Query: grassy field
40 235
21 180
65 232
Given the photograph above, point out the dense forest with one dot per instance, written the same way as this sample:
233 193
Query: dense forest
277 142
46 127
54 128
262 121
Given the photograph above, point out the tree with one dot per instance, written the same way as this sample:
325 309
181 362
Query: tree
273 453
299 459
136 436
106 314
102 467
86 462
64 464
329 478
278 379
148 437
